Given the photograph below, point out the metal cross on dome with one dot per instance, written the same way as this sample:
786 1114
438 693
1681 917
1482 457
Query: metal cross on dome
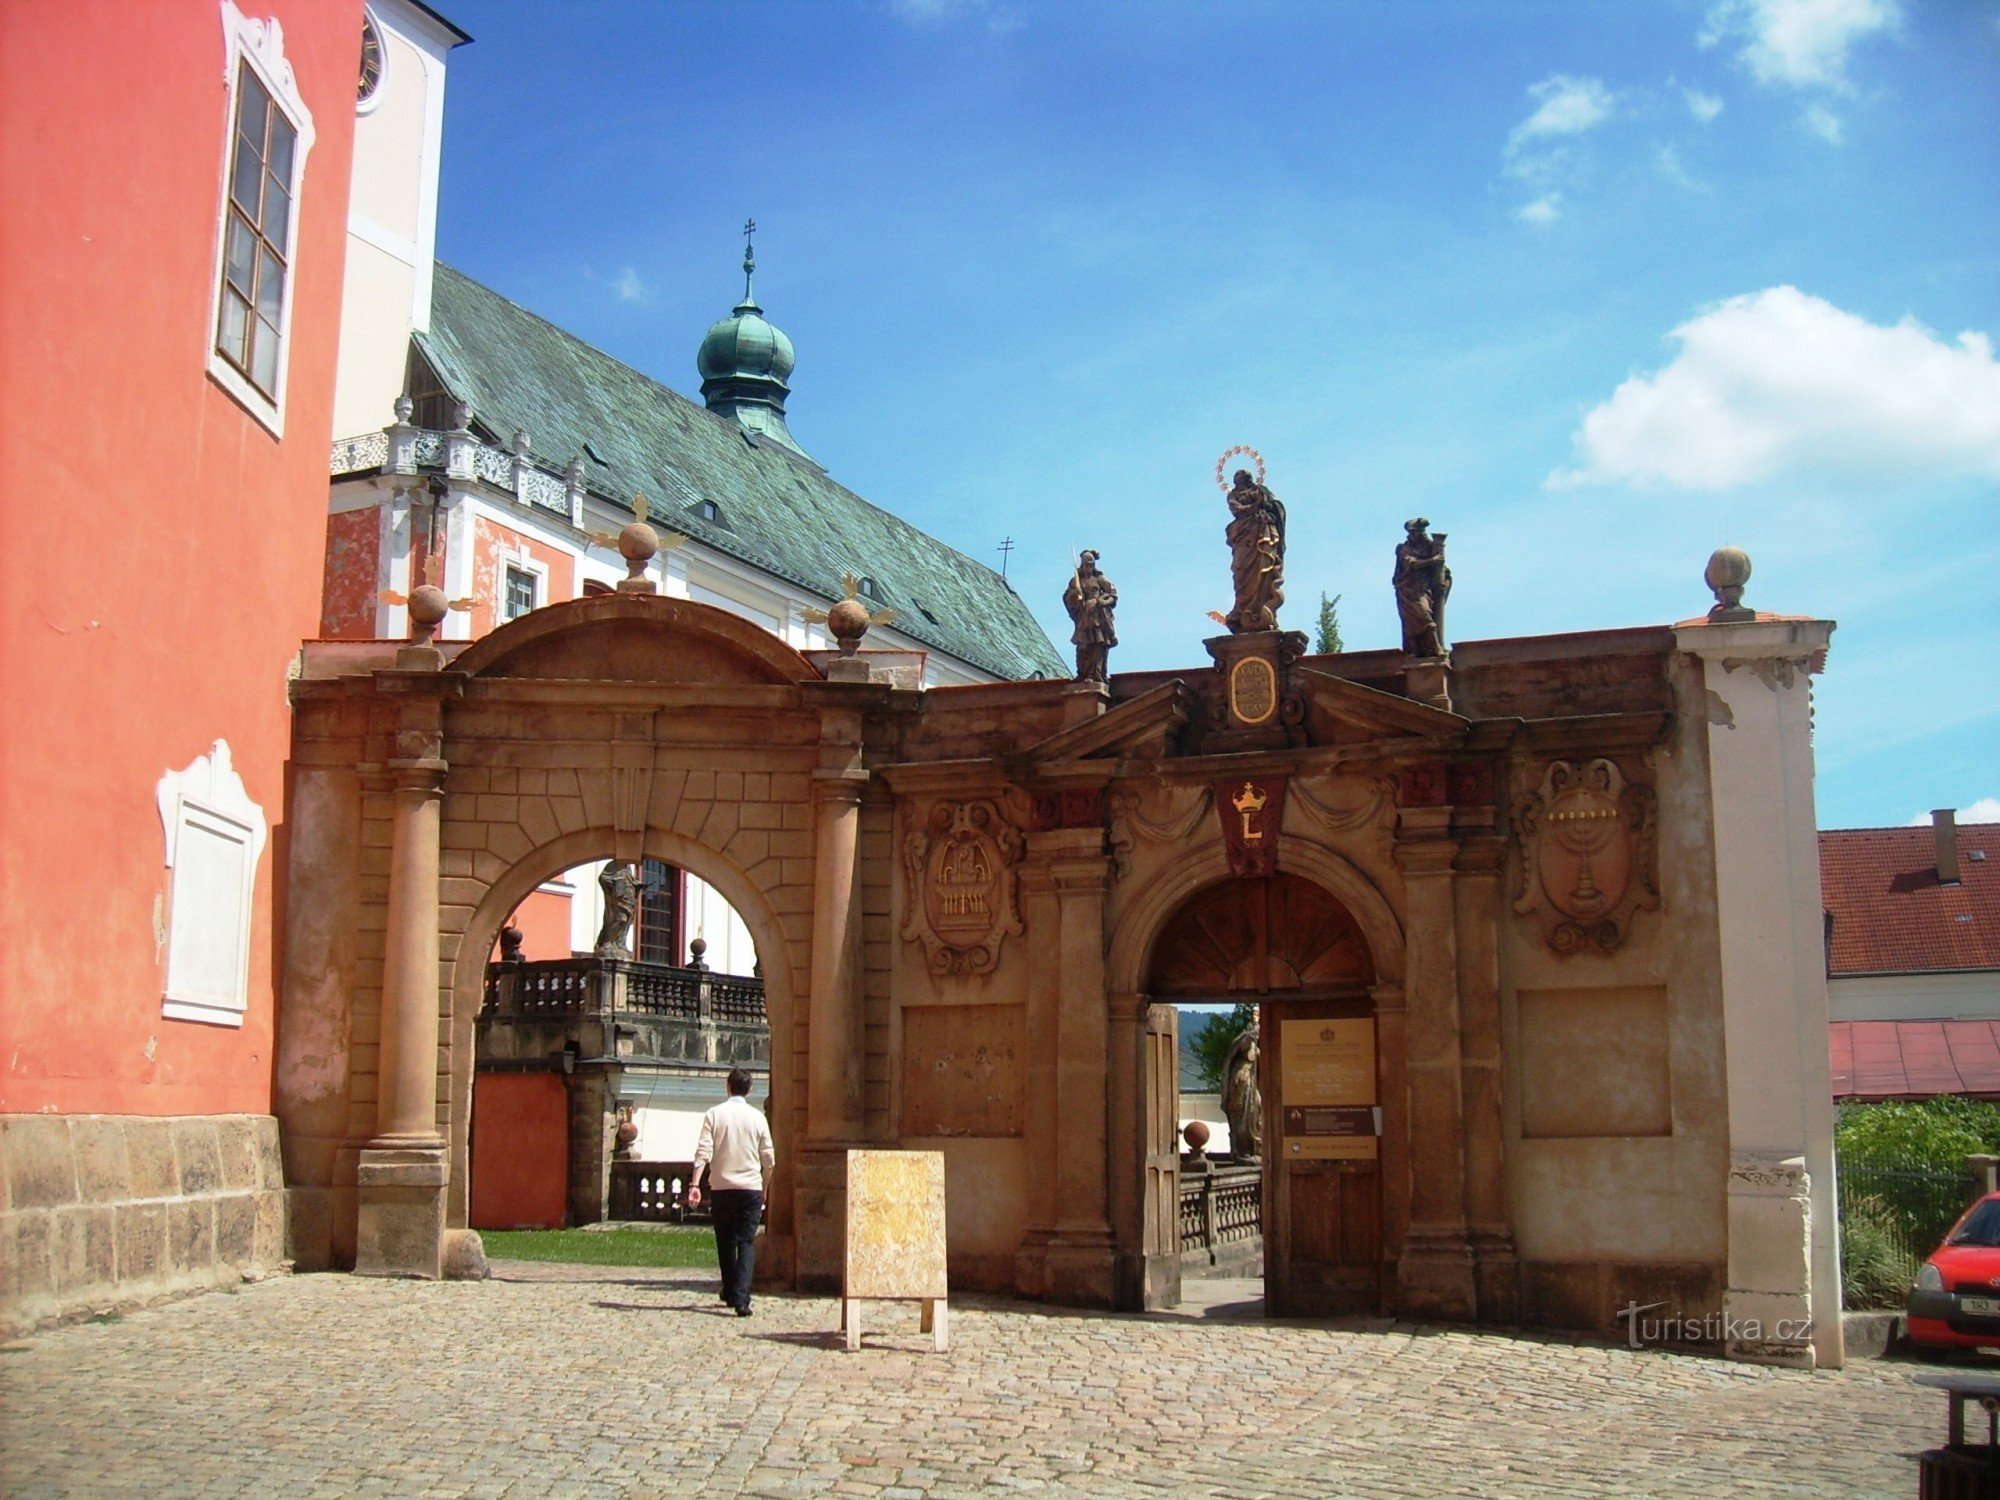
749 255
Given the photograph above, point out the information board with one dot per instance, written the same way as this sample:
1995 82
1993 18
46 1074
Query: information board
1327 1085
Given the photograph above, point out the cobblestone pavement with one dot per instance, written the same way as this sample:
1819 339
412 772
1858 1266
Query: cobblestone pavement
595 1381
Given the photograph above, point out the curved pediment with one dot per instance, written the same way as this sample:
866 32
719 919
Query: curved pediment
635 638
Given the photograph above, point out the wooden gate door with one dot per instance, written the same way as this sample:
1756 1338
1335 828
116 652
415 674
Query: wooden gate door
1163 1158
1286 944
1322 1176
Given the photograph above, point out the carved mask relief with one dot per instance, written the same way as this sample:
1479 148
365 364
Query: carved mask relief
1586 839
959 864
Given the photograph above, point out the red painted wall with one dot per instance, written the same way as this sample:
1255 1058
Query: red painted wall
544 922
160 551
493 546
520 1151
353 566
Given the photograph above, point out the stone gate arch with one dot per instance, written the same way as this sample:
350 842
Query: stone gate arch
436 784
1144 1147
465 963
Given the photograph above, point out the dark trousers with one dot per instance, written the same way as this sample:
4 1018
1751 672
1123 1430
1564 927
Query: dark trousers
737 1211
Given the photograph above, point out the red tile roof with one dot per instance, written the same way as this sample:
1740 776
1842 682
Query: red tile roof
1890 914
1915 1059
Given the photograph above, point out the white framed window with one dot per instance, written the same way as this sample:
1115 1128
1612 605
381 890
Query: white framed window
214 837
520 590
268 134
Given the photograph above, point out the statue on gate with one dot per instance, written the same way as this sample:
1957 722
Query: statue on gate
1090 599
1241 1101
621 905
1256 536
1422 583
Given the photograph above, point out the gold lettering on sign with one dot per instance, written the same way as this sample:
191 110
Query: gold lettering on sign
1253 690
1249 803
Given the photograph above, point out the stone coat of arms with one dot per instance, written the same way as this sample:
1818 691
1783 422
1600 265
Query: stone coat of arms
1586 838
960 867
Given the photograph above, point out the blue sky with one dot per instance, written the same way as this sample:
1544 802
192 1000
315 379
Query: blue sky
1597 287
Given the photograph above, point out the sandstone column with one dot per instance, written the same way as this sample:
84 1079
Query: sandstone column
1040 914
1783 1292
1436 1278
401 1173
833 1031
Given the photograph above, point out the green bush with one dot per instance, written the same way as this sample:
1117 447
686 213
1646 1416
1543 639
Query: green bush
1905 1133
1875 1269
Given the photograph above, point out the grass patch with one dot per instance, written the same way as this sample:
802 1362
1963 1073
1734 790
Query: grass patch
666 1246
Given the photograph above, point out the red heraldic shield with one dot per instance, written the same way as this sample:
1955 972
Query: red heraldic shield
1251 809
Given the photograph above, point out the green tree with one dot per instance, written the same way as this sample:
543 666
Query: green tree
1907 1133
1209 1042
1329 626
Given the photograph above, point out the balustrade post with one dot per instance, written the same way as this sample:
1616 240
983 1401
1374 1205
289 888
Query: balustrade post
1209 1236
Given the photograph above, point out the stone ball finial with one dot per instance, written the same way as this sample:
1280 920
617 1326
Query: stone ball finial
638 544
404 408
521 444
1196 1134
1727 572
697 953
461 416
428 607
847 621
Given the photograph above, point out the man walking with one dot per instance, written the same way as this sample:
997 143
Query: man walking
735 1146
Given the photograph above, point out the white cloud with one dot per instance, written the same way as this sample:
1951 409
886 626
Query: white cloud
1668 160
1539 150
1704 107
998 19
1563 106
1543 210
1803 43
1777 382
629 287
1985 810
1824 123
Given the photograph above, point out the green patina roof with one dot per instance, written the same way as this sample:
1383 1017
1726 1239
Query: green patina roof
780 513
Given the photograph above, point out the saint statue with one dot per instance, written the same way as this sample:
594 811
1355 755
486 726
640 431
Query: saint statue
1422 582
621 904
1090 599
1256 536
1242 1104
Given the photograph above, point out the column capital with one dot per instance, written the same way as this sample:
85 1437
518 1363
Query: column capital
423 776
839 786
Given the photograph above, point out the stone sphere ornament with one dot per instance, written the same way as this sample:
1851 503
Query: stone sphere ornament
848 622
1196 1133
428 606
1727 572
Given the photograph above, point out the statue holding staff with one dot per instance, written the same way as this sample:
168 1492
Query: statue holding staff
1256 536
1090 599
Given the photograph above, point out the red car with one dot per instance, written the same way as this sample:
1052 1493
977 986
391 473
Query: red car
1956 1301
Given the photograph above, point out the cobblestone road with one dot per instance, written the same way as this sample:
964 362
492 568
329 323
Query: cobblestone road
592 1381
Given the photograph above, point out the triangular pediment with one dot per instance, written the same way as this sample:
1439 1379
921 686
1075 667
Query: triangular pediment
1141 728
1358 712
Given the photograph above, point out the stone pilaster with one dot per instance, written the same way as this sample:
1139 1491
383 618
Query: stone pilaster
1476 902
1040 914
401 1171
1079 1262
1782 1298
1436 1268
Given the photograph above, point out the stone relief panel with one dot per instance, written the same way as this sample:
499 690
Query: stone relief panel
961 866
1587 841
964 1070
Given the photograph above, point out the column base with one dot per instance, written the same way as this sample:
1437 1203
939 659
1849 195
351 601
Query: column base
1081 1269
1496 1271
1435 1277
399 1227
819 1217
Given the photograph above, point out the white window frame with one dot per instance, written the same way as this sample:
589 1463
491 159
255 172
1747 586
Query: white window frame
208 801
539 571
259 45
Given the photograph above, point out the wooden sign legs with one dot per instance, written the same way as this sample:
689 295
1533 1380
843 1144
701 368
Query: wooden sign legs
935 1320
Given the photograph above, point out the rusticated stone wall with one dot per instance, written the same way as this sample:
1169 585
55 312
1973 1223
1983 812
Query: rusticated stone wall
108 1211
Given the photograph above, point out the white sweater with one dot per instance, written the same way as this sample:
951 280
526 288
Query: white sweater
735 1144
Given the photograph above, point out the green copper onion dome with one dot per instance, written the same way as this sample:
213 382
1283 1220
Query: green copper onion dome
744 361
